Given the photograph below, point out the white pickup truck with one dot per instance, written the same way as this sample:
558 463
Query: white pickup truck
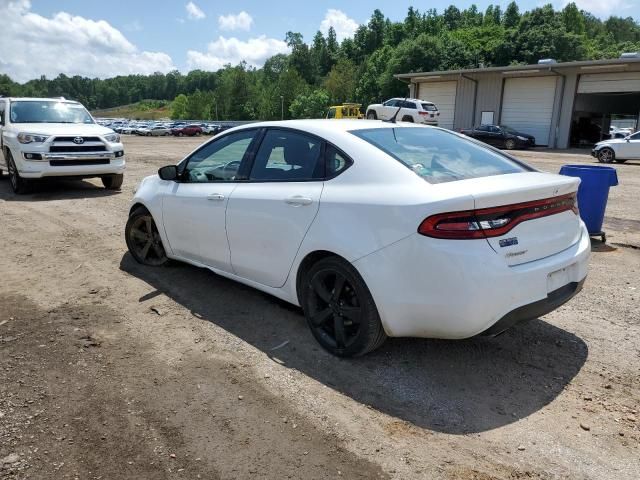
54 137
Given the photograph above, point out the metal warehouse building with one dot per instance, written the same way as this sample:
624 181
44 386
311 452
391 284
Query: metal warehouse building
561 104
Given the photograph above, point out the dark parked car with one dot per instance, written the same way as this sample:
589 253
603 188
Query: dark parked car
188 130
501 136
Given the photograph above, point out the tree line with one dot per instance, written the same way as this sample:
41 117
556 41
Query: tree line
325 71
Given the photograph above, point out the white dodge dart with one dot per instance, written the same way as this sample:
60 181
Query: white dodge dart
374 228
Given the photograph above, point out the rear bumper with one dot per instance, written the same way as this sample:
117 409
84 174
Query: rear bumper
537 309
435 288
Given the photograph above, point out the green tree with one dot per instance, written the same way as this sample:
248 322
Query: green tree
179 107
511 16
311 105
341 81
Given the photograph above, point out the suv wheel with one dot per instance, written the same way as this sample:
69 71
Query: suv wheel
19 185
340 310
407 118
112 182
372 115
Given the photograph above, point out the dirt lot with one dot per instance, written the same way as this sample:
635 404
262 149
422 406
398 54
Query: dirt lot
109 370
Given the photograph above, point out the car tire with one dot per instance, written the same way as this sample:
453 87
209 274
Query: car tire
509 144
112 182
326 308
19 185
606 155
143 239
372 115
180 134
197 134
407 118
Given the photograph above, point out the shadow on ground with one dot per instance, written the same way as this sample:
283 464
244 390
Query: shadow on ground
455 387
54 189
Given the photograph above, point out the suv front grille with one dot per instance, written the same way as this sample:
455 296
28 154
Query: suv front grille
69 163
77 148
70 139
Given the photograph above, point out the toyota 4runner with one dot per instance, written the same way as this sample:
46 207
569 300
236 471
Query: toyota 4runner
54 137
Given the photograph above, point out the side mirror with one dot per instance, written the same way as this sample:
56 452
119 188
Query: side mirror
170 173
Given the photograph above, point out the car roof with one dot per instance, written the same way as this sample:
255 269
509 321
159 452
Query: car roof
324 127
34 99
411 100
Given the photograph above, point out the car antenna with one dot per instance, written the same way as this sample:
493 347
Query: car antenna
393 119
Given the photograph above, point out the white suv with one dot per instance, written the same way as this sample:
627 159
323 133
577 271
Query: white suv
411 110
54 137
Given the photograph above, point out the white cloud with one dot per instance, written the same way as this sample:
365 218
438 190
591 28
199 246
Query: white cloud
241 21
33 45
602 9
194 12
344 26
232 50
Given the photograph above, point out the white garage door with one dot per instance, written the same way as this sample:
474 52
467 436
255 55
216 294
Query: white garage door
443 94
527 106
609 82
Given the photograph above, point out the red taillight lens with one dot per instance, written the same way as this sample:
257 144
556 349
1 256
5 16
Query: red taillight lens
423 113
494 221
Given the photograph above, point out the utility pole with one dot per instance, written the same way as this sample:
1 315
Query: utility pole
281 107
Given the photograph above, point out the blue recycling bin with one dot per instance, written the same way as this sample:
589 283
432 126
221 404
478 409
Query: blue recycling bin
592 193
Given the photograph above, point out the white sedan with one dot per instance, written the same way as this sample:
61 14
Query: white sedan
618 149
375 229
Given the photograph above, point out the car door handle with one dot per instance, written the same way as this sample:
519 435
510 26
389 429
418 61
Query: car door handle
215 196
298 201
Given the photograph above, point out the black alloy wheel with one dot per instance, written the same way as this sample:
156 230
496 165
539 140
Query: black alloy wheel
340 310
143 239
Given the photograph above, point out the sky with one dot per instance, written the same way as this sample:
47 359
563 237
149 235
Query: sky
118 37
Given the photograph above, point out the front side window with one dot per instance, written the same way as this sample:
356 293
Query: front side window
635 136
219 160
287 156
439 156
391 103
48 111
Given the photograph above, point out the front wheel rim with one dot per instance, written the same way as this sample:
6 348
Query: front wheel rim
606 156
145 241
335 312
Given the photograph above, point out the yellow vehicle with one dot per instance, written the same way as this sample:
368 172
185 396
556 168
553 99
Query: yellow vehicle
346 110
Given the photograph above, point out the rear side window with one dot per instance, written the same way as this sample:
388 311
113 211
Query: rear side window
287 156
430 107
410 105
439 156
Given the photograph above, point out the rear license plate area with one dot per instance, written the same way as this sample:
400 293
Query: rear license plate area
560 278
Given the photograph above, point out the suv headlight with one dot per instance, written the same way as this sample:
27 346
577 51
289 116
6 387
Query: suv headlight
112 138
31 138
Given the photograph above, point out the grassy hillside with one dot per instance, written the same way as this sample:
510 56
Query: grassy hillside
143 110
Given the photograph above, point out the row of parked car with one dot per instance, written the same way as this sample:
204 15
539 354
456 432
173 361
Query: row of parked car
159 129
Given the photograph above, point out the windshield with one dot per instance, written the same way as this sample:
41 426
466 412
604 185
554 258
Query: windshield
439 156
509 130
48 111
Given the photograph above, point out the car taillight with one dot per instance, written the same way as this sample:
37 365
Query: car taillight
494 221
423 113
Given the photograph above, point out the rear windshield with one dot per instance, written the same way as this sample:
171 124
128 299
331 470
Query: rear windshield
439 156
430 107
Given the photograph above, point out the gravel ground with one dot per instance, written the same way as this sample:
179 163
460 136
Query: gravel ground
109 370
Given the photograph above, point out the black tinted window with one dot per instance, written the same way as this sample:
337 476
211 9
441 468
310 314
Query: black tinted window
430 107
439 156
287 155
336 162
410 105
483 128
